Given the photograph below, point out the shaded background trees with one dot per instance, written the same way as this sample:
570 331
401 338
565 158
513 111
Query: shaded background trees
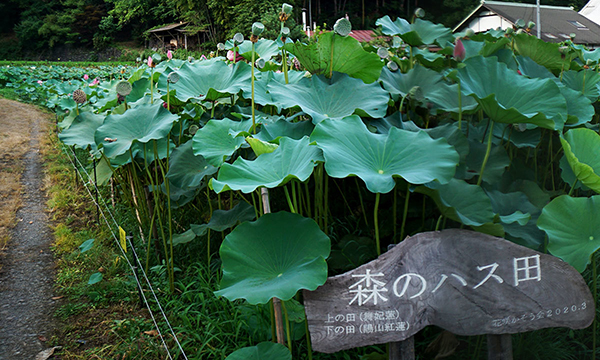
33 25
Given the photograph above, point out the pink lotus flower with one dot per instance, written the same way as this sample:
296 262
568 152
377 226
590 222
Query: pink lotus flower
459 50
202 57
230 55
95 82
150 61
169 55
40 82
86 77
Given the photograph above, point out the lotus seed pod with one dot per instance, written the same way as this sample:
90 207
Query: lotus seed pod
220 46
156 58
383 53
520 31
342 27
420 13
396 42
510 31
257 28
572 35
285 31
286 8
124 88
520 23
260 63
79 96
193 129
173 77
530 25
392 66
238 38
190 58
469 33
139 59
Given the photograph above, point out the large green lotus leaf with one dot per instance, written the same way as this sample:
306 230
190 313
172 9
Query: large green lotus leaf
585 82
138 90
429 59
579 108
582 150
142 124
208 81
586 54
333 98
261 95
224 219
349 57
351 149
187 170
460 201
431 84
81 131
264 351
572 228
496 165
283 128
264 48
510 98
293 159
215 141
274 256
421 32
526 138
531 69
544 53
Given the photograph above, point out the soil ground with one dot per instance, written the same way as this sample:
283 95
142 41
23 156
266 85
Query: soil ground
26 263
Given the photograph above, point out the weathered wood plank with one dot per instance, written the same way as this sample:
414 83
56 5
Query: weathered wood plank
465 282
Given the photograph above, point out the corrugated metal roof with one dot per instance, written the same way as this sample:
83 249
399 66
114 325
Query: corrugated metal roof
168 27
557 22
363 35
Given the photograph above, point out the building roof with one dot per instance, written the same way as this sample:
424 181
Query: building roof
168 27
557 22
362 35
591 10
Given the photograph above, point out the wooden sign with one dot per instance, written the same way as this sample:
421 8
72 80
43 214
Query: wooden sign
463 281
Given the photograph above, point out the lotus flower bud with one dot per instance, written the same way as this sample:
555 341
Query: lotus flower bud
459 50
469 33
230 55
86 77
383 53
530 25
220 46
392 66
509 31
173 77
79 96
40 82
169 55
520 31
193 129
150 63
286 8
257 28
260 63
124 88
419 13
342 27
238 39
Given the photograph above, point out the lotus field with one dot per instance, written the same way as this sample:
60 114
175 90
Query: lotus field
305 160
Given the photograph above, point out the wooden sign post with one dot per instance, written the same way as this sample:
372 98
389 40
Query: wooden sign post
463 281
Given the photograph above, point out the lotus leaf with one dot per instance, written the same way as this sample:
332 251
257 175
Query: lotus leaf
141 124
283 128
585 81
544 53
572 228
208 81
431 83
274 256
497 162
351 149
333 98
215 142
264 48
348 57
460 201
421 32
261 147
81 131
581 148
264 351
187 170
292 159
509 98
224 219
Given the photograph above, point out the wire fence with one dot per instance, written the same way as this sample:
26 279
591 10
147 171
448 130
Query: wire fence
113 226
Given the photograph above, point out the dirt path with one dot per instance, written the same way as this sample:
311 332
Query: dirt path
26 274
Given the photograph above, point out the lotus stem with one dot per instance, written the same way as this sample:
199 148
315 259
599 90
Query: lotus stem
439 221
278 321
583 88
253 118
308 344
168 98
294 198
77 108
273 330
395 213
287 326
289 201
375 220
487 153
573 186
308 211
405 214
151 85
326 202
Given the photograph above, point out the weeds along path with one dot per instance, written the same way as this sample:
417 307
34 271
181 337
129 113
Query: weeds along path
26 273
